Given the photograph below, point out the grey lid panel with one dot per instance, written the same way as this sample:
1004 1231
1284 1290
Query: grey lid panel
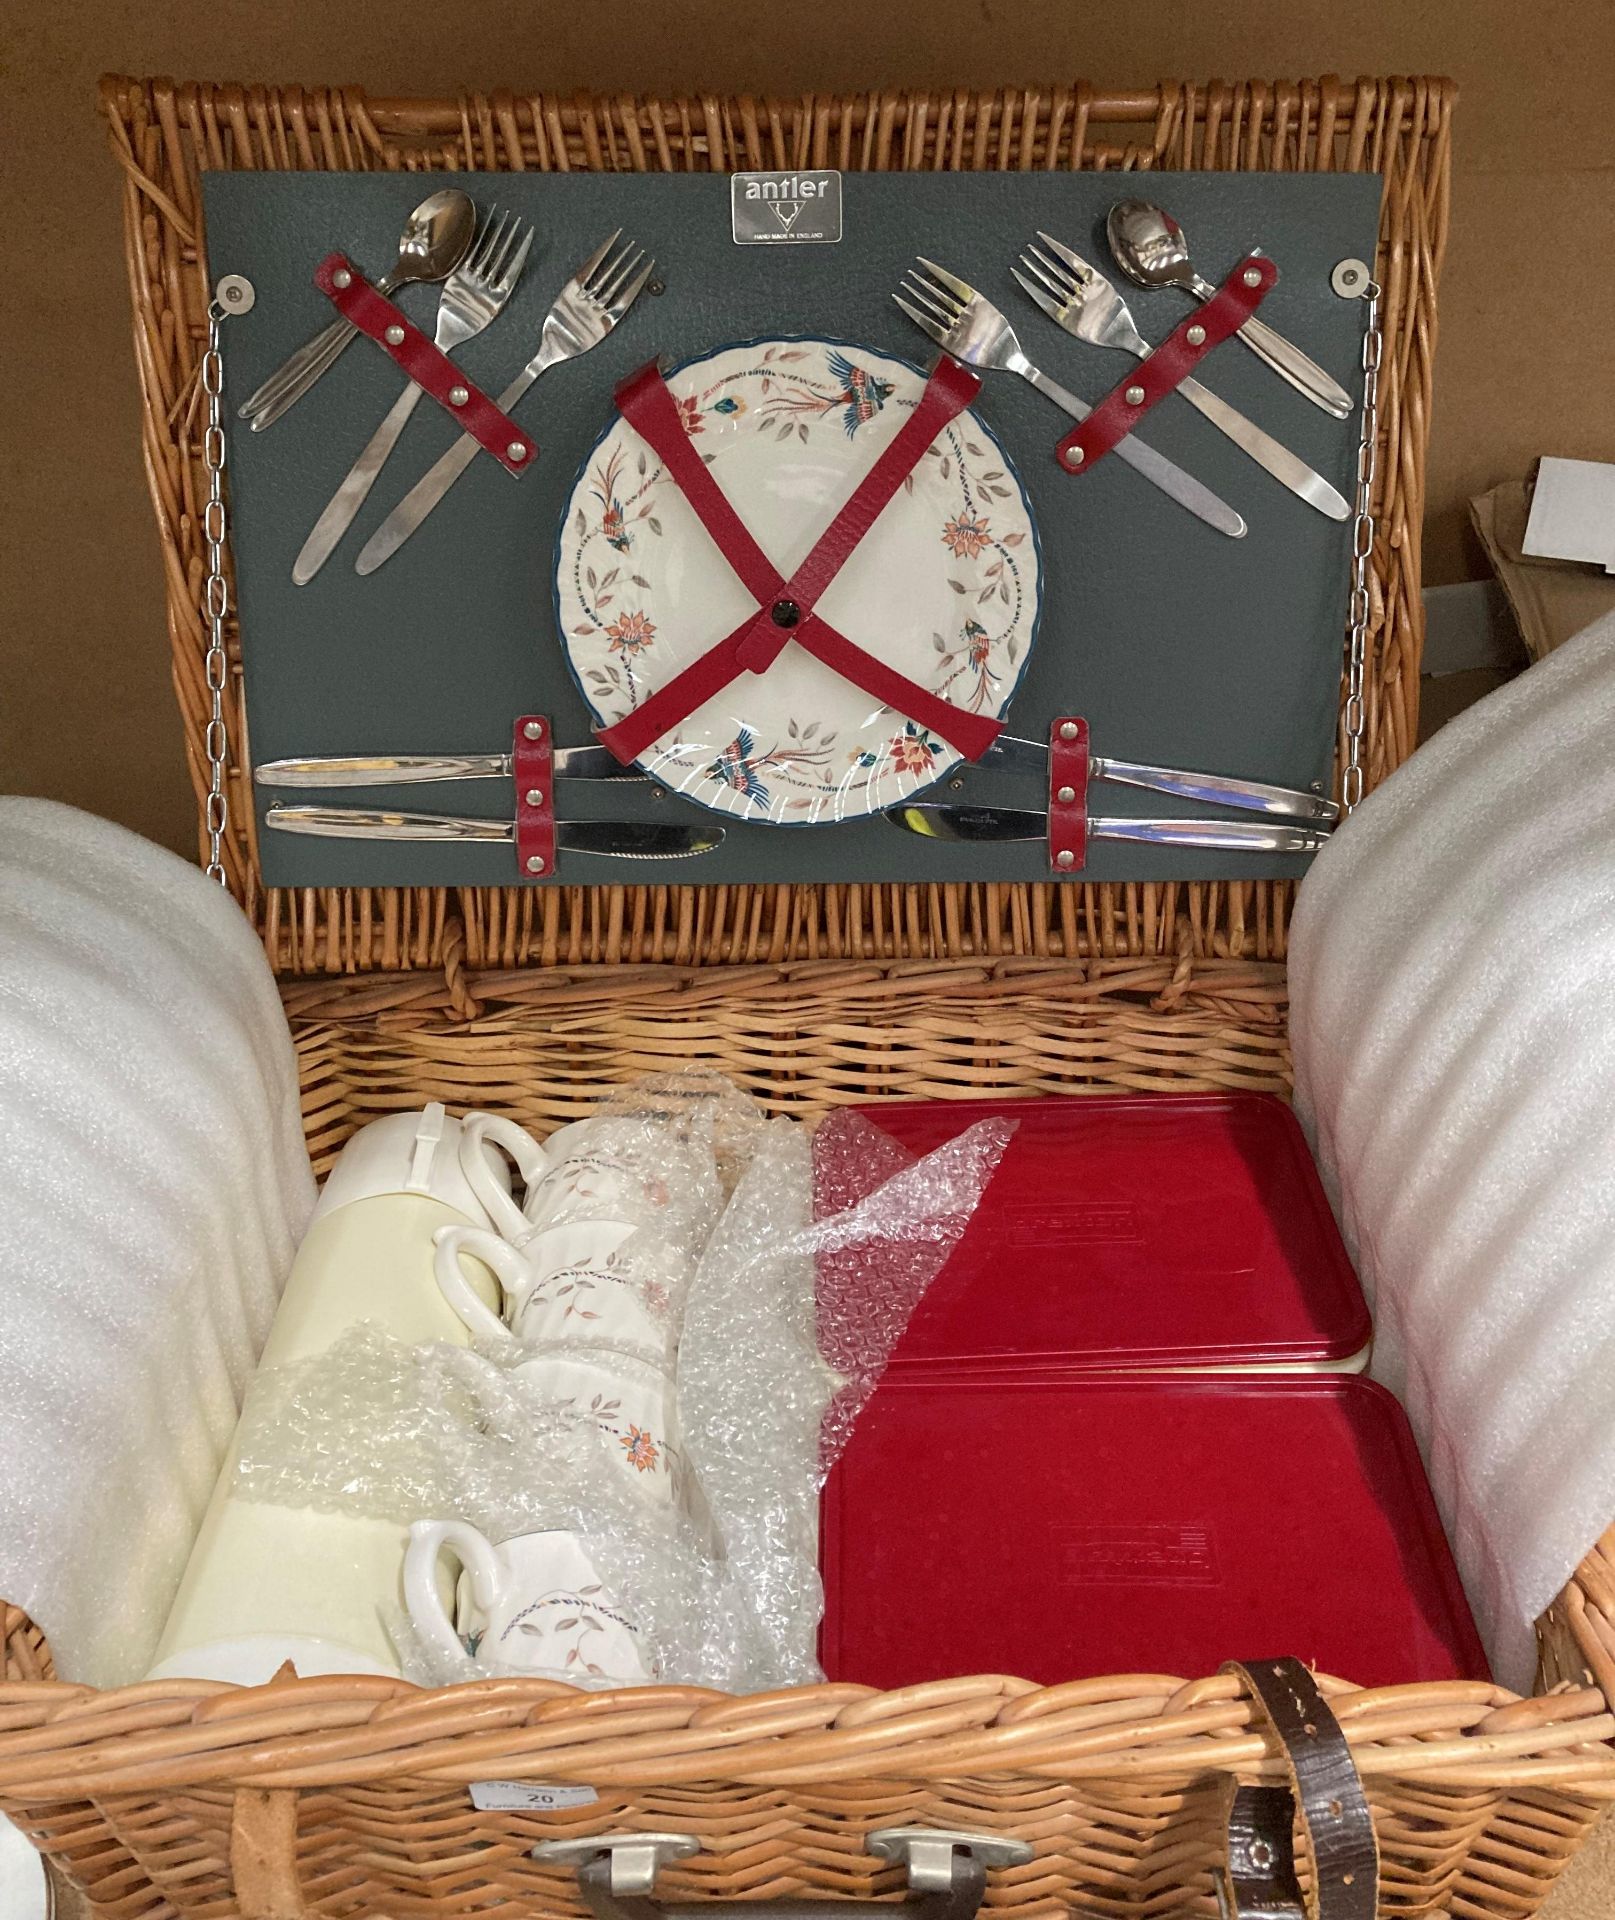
1179 645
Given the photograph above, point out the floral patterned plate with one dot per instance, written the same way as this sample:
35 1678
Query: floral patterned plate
945 587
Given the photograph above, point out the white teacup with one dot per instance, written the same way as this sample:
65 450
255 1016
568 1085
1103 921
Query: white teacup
603 1284
533 1604
589 1170
645 1169
614 1168
600 1287
629 1403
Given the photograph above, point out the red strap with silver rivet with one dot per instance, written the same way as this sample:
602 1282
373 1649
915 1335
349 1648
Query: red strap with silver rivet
426 364
1169 365
785 607
532 763
1068 794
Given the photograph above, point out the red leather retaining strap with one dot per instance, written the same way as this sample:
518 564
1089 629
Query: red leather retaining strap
532 764
1068 794
424 363
1169 365
785 607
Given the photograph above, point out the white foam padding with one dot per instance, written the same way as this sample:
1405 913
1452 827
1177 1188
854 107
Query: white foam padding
153 1186
1452 970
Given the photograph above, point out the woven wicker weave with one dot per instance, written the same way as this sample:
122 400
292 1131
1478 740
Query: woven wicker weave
347 1797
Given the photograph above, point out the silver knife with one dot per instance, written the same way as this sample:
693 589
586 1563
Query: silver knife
1010 755
1007 754
992 824
620 839
1216 789
1166 474
409 769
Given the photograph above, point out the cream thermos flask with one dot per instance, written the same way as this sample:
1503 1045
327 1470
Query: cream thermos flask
266 1584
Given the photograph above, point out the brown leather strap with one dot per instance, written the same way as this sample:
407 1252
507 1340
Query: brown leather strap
1262 1883
1261 1854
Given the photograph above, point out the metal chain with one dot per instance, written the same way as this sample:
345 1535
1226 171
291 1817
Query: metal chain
215 598
1353 715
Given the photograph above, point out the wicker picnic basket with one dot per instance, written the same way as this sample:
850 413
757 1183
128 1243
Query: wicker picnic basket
348 1797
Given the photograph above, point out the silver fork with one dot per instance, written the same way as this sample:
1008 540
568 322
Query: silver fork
473 296
1080 299
967 325
585 311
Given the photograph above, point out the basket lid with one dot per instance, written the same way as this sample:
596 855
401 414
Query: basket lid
1064 1528
1150 1230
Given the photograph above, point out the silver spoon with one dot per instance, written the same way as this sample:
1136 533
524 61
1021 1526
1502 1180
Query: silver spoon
434 242
1152 250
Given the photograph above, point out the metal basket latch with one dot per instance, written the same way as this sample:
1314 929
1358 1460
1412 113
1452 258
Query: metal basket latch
947 1875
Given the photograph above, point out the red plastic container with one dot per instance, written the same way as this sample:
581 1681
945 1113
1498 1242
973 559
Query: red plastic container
1152 1230
1062 1527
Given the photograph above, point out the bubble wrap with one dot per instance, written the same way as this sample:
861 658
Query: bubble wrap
155 1187
374 1427
1453 1019
790 1322
661 1154
701 1518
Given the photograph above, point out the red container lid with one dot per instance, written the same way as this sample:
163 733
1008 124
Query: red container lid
1147 1230
1058 1529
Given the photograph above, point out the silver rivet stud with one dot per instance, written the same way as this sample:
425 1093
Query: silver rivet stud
517 450
534 730
1075 457
1066 796
341 278
394 336
1135 396
534 797
1252 277
458 396
1196 336
1065 858
1068 729
535 863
